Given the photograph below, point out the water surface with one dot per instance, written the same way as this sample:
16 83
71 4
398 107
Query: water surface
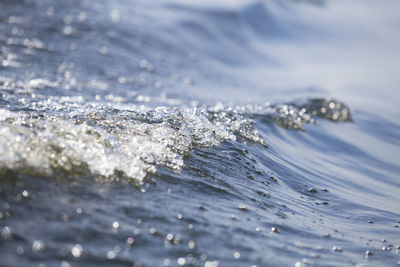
167 133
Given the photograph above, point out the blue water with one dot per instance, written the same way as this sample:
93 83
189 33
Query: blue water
202 133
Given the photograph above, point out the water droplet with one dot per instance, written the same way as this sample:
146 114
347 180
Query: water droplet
25 194
273 179
82 16
312 190
20 250
38 245
115 225
152 230
187 81
136 231
211 264
150 67
67 30
130 240
337 249
170 237
313 255
111 255
192 244
50 11
6 233
235 218
76 250
181 261
242 207
167 262
68 20
65 218
143 63
275 230
104 50
115 16
177 240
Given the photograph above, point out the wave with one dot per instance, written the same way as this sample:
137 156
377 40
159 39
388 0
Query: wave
105 141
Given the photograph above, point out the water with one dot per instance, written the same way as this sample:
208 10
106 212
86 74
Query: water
167 133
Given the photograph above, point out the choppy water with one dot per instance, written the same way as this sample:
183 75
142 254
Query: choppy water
168 133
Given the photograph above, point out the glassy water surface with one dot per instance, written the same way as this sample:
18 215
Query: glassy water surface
202 133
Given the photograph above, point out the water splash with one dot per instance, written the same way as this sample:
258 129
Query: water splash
103 141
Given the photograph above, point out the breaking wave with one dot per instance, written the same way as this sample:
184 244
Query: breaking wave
109 142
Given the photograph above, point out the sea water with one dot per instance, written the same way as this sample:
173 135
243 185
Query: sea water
199 133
